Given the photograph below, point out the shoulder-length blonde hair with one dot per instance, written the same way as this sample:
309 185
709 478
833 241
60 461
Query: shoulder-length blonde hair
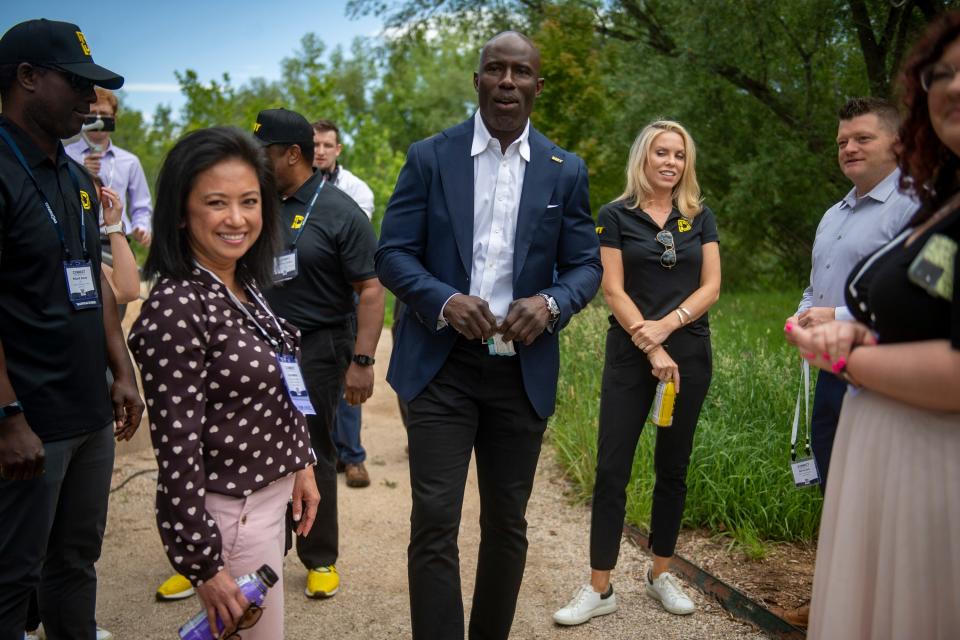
686 195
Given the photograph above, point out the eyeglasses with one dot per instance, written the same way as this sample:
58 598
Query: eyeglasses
669 258
250 617
78 84
937 74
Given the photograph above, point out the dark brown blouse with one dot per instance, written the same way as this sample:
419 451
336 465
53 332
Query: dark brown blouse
220 416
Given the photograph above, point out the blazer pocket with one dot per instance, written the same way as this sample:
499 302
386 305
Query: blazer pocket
552 212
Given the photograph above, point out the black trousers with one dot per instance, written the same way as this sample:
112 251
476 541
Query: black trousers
476 403
827 402
626 395
50 538
324 357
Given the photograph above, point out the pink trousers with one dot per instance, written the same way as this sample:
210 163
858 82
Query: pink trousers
252 532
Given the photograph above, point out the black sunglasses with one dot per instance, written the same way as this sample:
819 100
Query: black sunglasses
250 617
669 258
78 84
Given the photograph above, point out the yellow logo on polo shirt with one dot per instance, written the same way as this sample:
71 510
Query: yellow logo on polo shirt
297 222
600 230
256 127
83 43
85 200
683 225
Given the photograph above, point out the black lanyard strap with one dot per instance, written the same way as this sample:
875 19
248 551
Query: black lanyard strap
306 216
46 202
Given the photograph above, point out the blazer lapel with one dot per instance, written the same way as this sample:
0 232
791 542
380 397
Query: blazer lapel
456 176
539 179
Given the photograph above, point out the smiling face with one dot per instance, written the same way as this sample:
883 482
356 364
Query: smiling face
943 100
665 162
866 151
57 105
224 215
507 84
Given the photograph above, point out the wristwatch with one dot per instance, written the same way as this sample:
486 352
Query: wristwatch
551 306
11 409
364 361
113 228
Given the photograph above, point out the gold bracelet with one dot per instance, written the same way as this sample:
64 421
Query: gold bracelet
687 313
679 315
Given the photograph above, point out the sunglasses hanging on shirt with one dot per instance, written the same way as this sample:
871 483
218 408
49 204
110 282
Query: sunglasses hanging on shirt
668 260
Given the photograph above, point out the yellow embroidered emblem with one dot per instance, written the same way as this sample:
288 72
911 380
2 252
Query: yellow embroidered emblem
556 159
85 200
600 230
83 43
297 222
256 127
683 225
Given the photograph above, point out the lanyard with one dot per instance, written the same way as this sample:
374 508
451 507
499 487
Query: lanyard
306 216
278 345
46 203
805 390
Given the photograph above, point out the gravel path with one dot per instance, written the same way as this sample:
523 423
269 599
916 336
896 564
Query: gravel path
374 529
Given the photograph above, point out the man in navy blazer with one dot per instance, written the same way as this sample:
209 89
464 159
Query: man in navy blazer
489 241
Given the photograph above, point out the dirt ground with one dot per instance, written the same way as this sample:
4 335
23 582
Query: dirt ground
373 601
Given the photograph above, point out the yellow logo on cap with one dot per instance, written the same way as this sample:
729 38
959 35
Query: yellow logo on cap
297 222
85 200
683 225
600 230
83 43
256 127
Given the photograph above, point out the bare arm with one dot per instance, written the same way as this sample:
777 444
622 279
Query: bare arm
924 374
123 277
359 380
623 308
127 404
21 451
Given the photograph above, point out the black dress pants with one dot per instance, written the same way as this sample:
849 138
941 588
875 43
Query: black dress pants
626 395
324 357
476 403
50 538
827 402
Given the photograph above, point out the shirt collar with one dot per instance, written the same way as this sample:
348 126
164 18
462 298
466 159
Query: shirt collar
884 189
482 138
31 152
305 192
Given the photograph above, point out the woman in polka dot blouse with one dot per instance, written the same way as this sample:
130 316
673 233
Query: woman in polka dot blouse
231 445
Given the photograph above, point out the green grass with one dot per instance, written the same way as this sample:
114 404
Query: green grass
739 481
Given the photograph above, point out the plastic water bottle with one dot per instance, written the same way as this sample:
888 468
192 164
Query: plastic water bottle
662 413
254 587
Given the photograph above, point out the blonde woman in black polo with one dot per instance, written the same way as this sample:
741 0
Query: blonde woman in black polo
661 273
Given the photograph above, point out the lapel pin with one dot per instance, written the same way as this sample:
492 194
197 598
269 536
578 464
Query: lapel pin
556 159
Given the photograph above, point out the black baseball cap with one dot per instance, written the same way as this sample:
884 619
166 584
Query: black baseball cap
58 44
282 126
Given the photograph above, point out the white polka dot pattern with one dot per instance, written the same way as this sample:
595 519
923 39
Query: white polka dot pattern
212 397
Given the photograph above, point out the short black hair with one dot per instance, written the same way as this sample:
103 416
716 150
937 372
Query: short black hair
326 125
194 153
886 111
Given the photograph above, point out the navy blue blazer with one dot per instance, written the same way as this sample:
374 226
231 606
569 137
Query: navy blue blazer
426 253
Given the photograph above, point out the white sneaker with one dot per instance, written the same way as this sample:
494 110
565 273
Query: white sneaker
586 604
666 588
103 634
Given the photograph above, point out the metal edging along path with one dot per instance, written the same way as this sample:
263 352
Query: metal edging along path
735 602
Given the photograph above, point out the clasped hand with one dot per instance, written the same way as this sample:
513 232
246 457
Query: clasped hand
471 316
827 346
649 334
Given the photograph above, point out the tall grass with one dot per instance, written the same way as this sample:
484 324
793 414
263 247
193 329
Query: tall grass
739 480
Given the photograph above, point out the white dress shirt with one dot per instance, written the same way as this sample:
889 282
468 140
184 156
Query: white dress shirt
356 189
497 185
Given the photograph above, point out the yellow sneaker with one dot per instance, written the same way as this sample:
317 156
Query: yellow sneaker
176 587
322 582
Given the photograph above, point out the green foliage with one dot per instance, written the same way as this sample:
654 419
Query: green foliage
739 480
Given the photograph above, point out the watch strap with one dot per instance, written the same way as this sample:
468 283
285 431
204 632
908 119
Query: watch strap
364 360
11 409
113 228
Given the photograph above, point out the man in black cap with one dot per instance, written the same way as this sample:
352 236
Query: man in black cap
327 256
59 332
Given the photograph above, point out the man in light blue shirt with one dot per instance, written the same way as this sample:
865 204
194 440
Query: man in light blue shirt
869 216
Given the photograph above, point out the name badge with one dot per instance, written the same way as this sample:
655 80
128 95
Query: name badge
805 472
285 266
81 287
293 379
497 347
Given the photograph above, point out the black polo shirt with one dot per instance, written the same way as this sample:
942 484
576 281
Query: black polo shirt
56 356
335 249
656 290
